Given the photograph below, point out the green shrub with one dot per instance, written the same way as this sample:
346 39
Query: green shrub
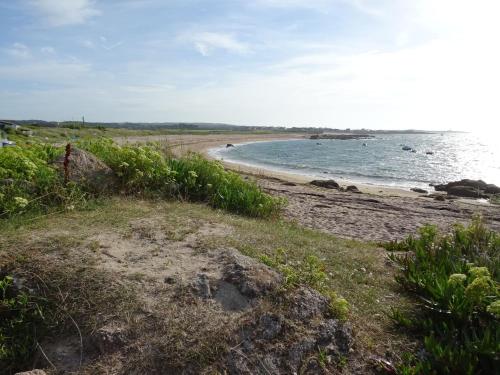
146 169
21 323
29 182
140 169
205 180
456 280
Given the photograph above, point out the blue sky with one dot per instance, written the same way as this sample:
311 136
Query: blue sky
428 64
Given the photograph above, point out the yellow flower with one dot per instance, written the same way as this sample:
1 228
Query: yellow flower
479 288
21 202
476 272
456 279
494 308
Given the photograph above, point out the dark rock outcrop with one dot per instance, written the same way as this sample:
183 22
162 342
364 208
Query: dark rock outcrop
469 188
229 145
352 189
327 184
305 330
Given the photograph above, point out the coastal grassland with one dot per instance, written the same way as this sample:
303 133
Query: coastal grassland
356 271
72 133
30 181
456 280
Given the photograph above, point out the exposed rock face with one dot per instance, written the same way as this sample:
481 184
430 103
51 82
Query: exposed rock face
109 339
289 343
86 169
280 332
418 190
251 278
469 188
327 184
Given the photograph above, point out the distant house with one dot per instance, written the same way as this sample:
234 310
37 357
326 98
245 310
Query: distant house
8 125
26 132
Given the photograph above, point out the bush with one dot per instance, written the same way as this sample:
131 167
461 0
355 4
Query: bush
205 180
29 182
140 169
455 278
21 322
147 170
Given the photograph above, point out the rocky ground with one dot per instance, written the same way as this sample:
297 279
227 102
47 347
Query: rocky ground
373 217
193 307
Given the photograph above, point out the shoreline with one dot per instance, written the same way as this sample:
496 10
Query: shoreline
206 144
299 178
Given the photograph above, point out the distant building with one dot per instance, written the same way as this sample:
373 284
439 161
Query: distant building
8 125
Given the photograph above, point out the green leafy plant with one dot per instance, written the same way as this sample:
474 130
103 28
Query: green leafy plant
21 322
310 271
146 169
455 278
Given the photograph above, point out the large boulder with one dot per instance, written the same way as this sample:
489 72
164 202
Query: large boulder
476 184
87 170
466 191
469 188
327 184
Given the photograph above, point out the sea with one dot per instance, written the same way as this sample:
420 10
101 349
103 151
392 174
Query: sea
381 161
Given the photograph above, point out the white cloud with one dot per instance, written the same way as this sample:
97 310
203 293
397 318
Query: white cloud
18 50
206 42
65 12
324 6
48 50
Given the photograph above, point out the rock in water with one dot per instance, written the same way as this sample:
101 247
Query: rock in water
86 169
327 184
229 145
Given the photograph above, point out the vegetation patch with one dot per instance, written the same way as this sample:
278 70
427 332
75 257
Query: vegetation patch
43 299
455 279
30 181
310 271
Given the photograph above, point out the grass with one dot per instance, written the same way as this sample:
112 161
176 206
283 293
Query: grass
76 133
455 279
355 270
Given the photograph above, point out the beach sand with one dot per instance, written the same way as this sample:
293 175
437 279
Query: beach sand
378 214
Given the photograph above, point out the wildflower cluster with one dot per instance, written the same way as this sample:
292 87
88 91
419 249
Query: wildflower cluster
457 277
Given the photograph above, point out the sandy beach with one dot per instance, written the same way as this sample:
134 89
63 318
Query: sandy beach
377 214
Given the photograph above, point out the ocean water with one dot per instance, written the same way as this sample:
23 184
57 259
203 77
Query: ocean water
381 162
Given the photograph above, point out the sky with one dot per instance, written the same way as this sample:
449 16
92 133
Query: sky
379 64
